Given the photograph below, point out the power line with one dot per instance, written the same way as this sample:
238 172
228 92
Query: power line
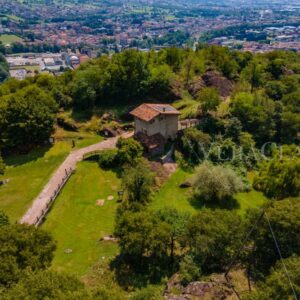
281 258
245 240
248 236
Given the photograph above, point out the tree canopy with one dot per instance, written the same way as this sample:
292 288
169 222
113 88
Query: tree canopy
26 117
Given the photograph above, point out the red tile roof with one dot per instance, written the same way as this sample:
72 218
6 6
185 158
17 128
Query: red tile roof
148 111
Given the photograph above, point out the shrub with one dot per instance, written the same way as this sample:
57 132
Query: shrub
215 183
188 270
129 150
108 159
4 220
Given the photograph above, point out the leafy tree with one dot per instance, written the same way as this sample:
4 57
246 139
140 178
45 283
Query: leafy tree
215 183
84 88
108 158
188 269
3 73
284 220
4 220
177 222
290 127
213 237
275 89
222 58
292 101
173 57
256 115
26 117
141 234
209 99
254 74
277 285
160 80
137 183
47 285
23 247
129 151
194 145
233 129
128 76
4 68
275 67
279 177
191 66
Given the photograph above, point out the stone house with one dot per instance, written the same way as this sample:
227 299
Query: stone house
154 124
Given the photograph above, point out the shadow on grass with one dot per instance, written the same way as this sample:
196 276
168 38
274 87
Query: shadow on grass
82 116
139 273
226 203
17 159
116 169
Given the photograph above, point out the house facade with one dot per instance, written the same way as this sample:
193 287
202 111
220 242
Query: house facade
152 119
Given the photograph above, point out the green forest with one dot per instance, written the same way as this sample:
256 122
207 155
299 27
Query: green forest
195 226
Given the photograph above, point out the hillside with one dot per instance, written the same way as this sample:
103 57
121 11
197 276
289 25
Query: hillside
132 223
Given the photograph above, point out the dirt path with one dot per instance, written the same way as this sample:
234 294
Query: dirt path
61 175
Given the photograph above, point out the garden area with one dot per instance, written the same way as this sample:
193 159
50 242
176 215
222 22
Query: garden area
172 195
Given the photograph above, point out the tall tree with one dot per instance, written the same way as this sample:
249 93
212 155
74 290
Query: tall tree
177 222
213 236
26 117
209 99
137 183
283 218
277 285
279 177
23 247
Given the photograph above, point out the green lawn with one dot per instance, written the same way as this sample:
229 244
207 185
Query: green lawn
76 222
172 195
9 38
30 172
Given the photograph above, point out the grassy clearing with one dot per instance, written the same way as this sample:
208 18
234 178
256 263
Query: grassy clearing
76 221
9 38
28 173
81 138
172 195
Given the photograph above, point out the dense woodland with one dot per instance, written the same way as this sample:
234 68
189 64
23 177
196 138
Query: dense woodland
248 106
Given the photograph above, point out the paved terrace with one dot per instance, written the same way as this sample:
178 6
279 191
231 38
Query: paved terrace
40 205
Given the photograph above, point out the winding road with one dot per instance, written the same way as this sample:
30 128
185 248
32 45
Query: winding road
40 204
